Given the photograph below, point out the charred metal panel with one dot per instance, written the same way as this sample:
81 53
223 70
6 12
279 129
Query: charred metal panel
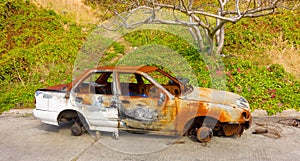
147 113
100 110
213 95
222 113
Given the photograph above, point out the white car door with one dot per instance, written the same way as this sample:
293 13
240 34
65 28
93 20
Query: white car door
97 102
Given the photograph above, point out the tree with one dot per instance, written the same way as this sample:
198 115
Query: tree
205 19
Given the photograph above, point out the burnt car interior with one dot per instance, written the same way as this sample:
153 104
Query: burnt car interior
131 84
95 84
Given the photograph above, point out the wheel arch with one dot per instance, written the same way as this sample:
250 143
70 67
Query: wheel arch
70 115
199 119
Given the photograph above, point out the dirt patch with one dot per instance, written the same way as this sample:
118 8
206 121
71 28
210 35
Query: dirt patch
75 9
286 55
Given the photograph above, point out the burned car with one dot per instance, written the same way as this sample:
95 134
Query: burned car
143 99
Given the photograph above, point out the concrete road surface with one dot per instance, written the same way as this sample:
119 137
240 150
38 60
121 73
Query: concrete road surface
26 138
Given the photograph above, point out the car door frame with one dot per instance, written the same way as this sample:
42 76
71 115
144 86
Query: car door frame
108 124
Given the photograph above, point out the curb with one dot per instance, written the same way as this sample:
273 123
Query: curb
285 113
18 112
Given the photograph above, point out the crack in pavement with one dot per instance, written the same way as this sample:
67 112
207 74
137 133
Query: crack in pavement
80 154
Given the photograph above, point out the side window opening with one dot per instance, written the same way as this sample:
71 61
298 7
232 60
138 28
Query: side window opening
159 77
96 83
129 84
166 82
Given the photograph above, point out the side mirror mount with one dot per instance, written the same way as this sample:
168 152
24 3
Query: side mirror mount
184 81
67 96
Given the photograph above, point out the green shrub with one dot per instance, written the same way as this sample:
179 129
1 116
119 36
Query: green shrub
269 88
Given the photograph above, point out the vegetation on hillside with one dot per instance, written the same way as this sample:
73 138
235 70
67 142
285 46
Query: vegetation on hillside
38 48
264 49
267 40
265 87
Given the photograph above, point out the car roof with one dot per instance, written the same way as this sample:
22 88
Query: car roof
129 69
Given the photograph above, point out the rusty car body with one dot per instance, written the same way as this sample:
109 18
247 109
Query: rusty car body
142 99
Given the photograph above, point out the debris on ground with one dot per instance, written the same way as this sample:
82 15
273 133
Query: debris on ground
176 142
290 122
268 130
260 130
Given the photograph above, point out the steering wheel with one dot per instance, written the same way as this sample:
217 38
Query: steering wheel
154 92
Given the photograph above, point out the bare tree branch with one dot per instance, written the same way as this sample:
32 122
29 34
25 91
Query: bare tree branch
198 16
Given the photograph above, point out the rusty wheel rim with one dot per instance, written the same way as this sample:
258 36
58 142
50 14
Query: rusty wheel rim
204 134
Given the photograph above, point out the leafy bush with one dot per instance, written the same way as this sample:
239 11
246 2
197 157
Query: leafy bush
269 88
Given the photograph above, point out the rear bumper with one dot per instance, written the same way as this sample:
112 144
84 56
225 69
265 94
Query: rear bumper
46 116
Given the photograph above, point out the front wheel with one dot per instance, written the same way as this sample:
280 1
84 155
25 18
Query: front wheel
204 134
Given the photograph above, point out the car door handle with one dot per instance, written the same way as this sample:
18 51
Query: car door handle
47 96
78 99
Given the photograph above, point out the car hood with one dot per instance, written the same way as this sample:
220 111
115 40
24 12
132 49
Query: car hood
216 96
